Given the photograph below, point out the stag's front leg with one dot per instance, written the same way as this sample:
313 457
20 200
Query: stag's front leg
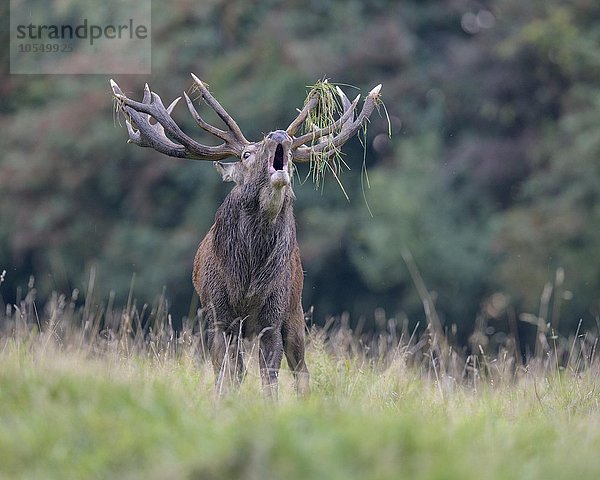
224 337
270 354
226 357
293 346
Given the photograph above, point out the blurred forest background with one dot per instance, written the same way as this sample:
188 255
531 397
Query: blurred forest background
491 178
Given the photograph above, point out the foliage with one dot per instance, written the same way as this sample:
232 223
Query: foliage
557 221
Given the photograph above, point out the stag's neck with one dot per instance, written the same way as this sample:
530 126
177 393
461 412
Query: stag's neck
252 216
253 247
272 201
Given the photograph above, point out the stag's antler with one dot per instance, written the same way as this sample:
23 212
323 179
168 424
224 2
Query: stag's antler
165 135
346 126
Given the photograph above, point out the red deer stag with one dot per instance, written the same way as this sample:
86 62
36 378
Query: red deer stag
247 270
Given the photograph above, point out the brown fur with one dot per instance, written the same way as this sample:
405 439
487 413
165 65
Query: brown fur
249 277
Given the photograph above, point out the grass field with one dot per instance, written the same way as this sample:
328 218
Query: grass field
91 402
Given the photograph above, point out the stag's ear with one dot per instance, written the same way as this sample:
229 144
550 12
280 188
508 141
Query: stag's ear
230 172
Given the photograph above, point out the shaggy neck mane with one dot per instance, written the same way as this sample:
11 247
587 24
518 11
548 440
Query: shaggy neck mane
254 250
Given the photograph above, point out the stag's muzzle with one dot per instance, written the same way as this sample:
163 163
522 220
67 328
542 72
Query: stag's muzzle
279 154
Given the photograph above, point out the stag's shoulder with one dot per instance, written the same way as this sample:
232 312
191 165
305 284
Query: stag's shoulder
203 257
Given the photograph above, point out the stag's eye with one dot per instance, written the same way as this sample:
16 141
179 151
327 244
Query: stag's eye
246 155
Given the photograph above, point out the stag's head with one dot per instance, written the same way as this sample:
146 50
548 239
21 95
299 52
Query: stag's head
268 161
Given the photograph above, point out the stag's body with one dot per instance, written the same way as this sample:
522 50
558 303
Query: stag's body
248 274
247 270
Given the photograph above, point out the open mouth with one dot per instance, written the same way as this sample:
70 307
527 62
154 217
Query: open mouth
278 162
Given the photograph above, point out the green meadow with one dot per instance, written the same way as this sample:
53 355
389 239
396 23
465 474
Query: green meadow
107 400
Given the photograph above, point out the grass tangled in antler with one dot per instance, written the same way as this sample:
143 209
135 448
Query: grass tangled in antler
328 109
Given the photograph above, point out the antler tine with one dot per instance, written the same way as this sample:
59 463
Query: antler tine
147 93
222 134
302 114
144 133
304 153
216 106
346 104
177 144
149 135
346 118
